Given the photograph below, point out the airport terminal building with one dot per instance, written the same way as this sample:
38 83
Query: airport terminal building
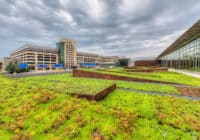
184 53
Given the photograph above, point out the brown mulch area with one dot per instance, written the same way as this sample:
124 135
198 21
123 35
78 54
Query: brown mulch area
189 91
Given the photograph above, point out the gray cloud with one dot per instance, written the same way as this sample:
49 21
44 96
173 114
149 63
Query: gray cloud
127 28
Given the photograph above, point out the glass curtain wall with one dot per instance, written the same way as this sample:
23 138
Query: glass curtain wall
186 57
60 47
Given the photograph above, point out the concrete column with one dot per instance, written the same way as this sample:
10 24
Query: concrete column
65 55
57 58
43 57
75 55
36 62
50 64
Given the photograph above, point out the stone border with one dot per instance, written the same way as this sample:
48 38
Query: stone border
147 70
139 67
88 74
97 96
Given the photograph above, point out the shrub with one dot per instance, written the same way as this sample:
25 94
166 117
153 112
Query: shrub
12 68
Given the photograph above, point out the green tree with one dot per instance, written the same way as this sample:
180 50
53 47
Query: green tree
11 68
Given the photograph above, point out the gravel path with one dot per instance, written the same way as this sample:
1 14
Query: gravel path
175 85
21 75
159 93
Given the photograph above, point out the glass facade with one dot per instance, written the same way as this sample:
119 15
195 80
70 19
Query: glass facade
67 53
186 57
61 55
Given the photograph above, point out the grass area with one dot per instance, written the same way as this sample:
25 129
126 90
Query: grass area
161 76
38 108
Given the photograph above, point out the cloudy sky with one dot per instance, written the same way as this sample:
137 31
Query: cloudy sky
139 29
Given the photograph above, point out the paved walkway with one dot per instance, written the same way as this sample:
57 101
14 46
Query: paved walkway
160 93
187 72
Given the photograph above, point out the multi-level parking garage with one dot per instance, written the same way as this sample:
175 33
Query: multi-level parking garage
35 55
184 53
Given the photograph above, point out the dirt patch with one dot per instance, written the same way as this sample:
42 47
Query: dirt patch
97 135
99 95
189 91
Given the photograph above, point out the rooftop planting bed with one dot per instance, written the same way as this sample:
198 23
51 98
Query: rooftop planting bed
160 76
61 82
35 108
68 85
78 87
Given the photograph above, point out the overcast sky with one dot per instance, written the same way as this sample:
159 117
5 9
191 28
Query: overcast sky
137 29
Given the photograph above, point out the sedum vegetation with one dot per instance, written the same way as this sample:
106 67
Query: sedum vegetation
65 83
40 108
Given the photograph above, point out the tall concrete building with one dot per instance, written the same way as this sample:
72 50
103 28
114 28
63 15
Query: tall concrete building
67 52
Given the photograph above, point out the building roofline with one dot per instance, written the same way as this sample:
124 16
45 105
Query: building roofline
63 39
110 57
87 53
34 47
187 36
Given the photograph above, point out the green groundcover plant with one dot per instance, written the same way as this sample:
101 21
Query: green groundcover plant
36 108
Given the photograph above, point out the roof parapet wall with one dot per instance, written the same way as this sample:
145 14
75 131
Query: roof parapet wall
36 48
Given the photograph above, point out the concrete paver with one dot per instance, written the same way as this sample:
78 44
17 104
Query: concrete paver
187 72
